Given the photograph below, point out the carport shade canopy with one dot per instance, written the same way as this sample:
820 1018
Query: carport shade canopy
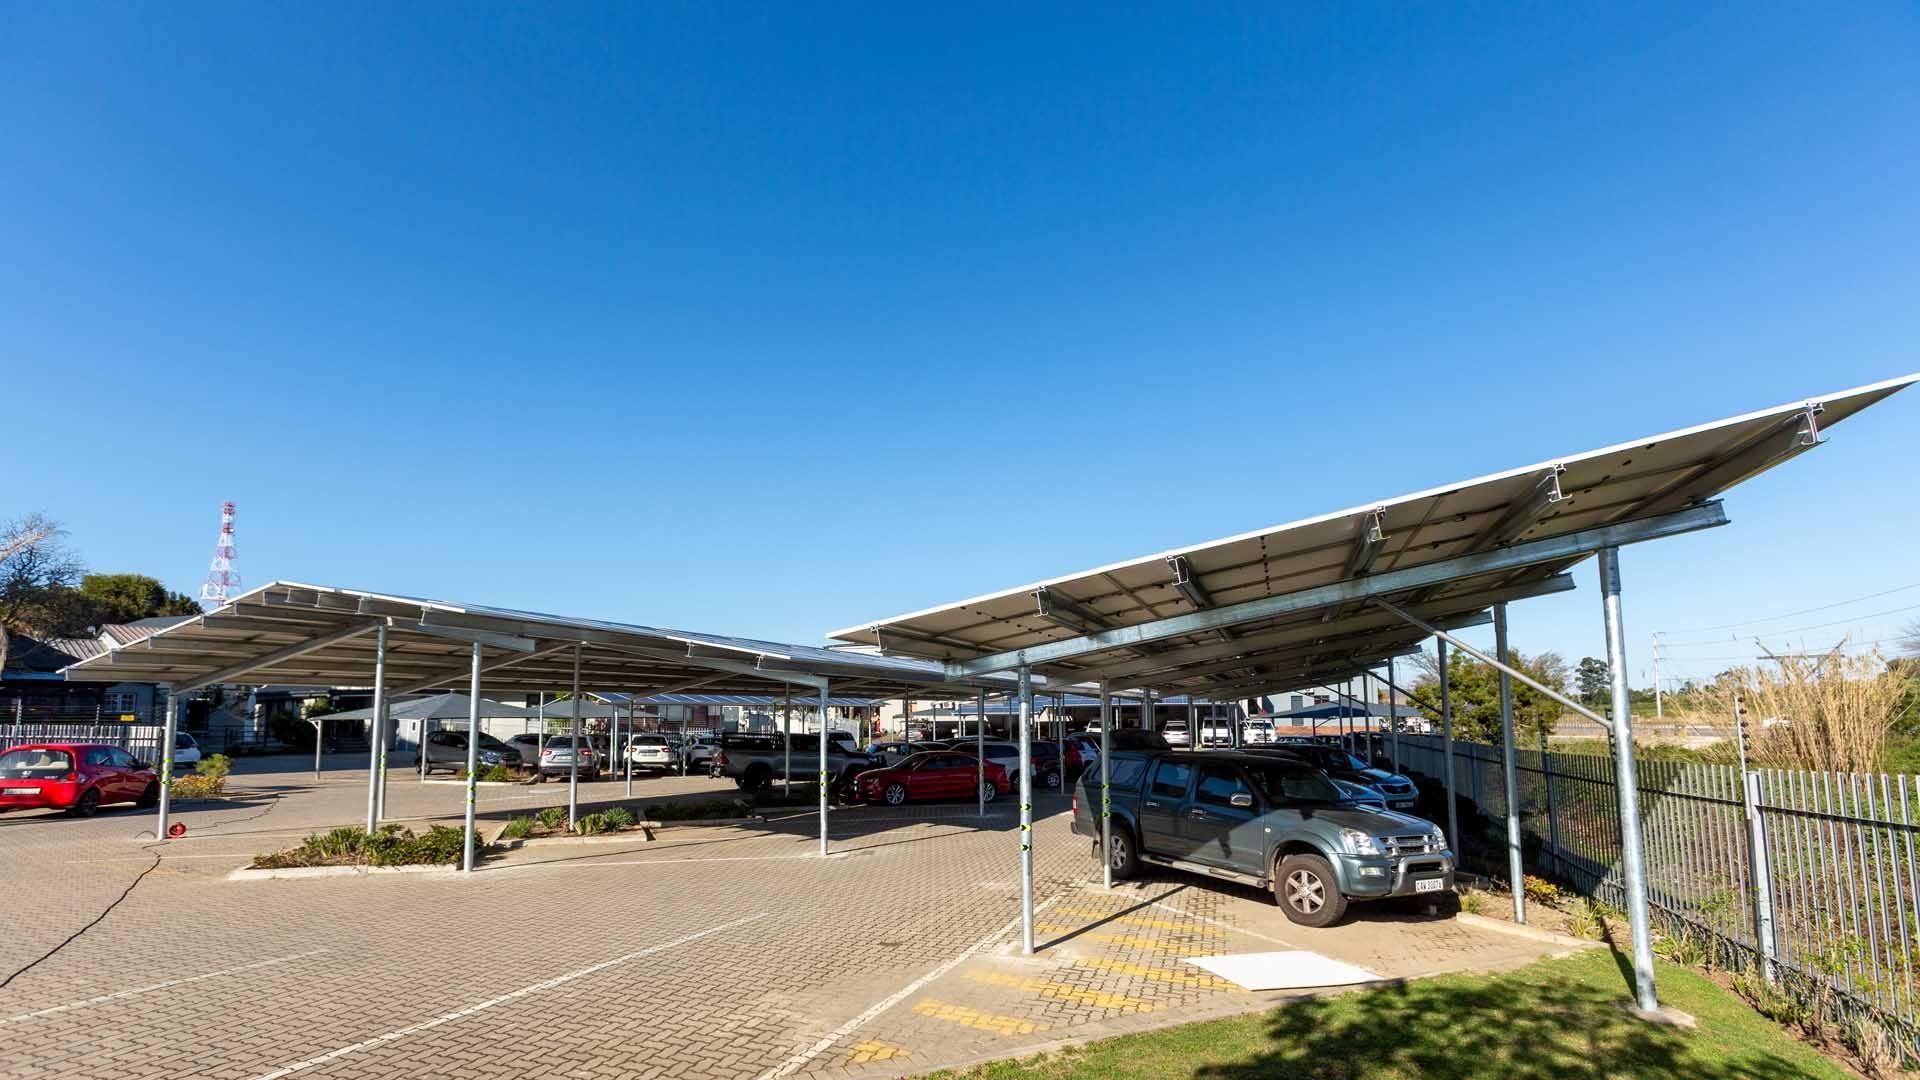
1288 607
288 632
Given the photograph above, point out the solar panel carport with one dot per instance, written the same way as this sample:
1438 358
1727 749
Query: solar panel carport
1331 597
298 633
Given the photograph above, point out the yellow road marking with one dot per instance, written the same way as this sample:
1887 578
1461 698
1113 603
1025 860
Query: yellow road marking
974 1018
1111 939
1139 920
1156 974
1061 991
875 1050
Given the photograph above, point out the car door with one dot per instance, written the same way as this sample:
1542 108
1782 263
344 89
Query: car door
1217 831
97 771
135 785
1162 806
955 775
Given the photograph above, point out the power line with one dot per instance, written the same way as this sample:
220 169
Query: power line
1855 620
1792 614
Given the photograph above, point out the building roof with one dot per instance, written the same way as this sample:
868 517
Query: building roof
1294 604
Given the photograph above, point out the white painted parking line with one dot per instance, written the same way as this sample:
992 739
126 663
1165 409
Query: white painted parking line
799 1060
170 983
461 1014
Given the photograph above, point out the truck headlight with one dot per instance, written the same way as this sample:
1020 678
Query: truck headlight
1438 837
1358 843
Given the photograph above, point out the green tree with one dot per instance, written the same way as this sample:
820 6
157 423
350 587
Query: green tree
1475 691
119 598
1594 679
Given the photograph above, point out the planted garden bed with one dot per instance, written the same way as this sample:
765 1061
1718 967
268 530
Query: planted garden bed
390 845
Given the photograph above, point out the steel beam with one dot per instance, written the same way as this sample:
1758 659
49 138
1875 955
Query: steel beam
1187 585
1531 553
453 677
1500 665
228 674
1368 541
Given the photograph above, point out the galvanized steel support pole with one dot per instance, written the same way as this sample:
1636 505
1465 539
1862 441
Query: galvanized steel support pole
1446 743
573 756
628 752
980 754
1626 782
1026 810
1106 777
1516 874
373 744
319 741
473 760
823 767
1393 714
166 758
786 734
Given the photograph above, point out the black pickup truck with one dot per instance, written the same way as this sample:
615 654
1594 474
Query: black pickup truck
1262 820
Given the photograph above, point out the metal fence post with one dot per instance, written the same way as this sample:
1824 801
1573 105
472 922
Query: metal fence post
1553 809
1760 875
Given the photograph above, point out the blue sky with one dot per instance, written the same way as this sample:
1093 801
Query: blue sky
770 321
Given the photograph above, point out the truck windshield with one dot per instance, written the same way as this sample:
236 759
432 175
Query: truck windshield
1292 784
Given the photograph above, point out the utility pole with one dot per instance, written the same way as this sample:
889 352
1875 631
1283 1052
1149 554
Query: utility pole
1659 711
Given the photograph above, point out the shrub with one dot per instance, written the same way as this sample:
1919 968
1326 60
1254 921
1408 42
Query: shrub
1473 901
1584 921
553 817
494 774
517 829
1541 891
214 766
199 787
390 846
617 818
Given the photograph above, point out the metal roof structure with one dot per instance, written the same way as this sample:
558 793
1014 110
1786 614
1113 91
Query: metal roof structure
438 707
1289 606
834 701
288 632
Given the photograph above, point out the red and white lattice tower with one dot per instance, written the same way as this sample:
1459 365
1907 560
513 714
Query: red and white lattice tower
222 579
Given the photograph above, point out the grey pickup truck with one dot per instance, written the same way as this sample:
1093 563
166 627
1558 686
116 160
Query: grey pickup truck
1262 820
754 762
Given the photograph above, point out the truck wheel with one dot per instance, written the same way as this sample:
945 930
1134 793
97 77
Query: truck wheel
758 777
1120 851
896 794
1306 890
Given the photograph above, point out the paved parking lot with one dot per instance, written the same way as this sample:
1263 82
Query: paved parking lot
709 952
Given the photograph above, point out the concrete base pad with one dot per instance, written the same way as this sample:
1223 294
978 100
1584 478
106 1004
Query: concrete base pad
1665 1015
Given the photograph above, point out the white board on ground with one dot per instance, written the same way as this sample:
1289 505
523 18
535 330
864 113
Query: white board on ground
1295 969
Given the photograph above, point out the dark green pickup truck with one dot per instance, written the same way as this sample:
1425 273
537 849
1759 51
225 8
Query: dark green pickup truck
1262 820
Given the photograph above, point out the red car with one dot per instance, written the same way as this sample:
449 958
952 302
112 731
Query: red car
77 777
930 774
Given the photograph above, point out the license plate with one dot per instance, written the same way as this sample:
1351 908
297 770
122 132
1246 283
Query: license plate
1431 885
1401 802
23 791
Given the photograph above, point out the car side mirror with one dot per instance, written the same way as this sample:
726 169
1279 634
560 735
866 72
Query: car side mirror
1241 799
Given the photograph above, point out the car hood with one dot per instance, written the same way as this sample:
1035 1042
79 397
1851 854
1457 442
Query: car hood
1369 777
1370 821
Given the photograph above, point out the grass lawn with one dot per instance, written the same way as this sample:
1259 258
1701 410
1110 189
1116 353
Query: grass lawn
1556 1018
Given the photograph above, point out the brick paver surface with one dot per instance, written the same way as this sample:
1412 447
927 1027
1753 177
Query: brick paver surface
708 952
